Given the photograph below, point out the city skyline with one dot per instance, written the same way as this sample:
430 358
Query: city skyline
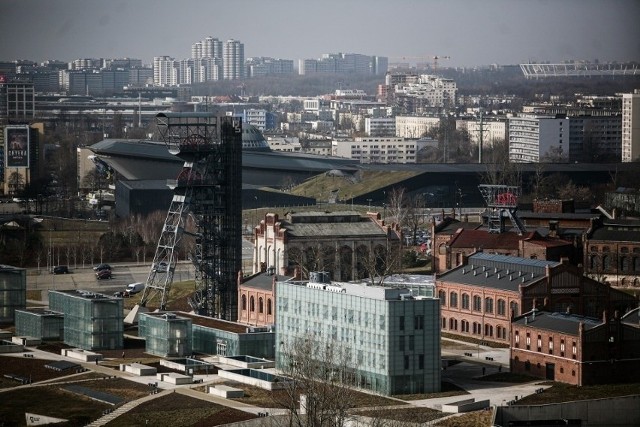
470 33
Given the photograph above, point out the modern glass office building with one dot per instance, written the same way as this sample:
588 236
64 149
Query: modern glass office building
40 323
166 334
13 292
92 321
393 337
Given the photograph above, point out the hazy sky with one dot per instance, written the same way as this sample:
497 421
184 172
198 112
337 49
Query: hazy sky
471 32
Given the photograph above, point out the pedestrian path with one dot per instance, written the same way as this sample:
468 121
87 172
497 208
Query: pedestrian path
125 408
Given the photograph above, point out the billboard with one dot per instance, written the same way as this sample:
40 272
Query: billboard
16 141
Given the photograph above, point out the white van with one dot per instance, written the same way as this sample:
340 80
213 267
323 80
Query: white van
134 288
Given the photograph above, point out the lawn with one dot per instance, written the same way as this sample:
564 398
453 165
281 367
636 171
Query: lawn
176 409
470 419
560 392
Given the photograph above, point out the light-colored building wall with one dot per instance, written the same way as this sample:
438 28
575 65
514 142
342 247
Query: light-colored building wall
414 126
630 126
393 338
492 131
380 150
531 138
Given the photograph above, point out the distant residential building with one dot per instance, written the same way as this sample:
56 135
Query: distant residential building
263 66
261 119
380 149
595 139
140 76
287 144
533 138
321 147
380 126
415 126
492 130
393 338
166 71
343 63
123 63
575 349
17 99
429 93
631 126
94 82
233 60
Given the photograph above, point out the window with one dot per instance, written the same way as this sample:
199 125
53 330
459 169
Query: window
252 304
401 323
502 307
562 348
260 305
550 345
488 305
411 342
401 343
418 322
244 302
453 324
406 362
539 342
465 301
575 351
514 307
477 303
528 342
421 361
444 323
443 298
269 306
517 338
453 299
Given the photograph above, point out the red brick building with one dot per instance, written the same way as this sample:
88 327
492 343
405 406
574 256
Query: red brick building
256 299
575 349
479 297
612 251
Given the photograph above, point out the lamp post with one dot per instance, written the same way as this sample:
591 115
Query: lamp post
369 200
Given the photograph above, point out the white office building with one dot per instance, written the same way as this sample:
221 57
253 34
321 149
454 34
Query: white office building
533 138
380 126
631 126
392 336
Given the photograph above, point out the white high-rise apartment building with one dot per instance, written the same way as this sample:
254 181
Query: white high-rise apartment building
166 71
631 126
211 48
233 60
532 138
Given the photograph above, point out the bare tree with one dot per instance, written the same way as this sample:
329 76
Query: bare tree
397 205
321 374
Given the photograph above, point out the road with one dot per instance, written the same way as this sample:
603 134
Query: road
83 277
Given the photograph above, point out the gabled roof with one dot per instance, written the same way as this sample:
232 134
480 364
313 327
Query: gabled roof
481 239
498 271
557 322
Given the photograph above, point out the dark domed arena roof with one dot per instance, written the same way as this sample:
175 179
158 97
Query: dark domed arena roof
252 139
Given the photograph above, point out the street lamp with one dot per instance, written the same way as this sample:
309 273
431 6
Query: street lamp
369 200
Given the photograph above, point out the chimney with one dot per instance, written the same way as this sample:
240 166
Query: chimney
568 309
604 316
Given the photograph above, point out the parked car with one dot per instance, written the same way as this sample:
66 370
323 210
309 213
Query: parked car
101 267
103 274
134 288
121 294
60 269
161 266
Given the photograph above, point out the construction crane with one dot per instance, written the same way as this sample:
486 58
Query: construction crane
435 62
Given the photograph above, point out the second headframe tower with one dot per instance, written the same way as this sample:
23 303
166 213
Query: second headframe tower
209 190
